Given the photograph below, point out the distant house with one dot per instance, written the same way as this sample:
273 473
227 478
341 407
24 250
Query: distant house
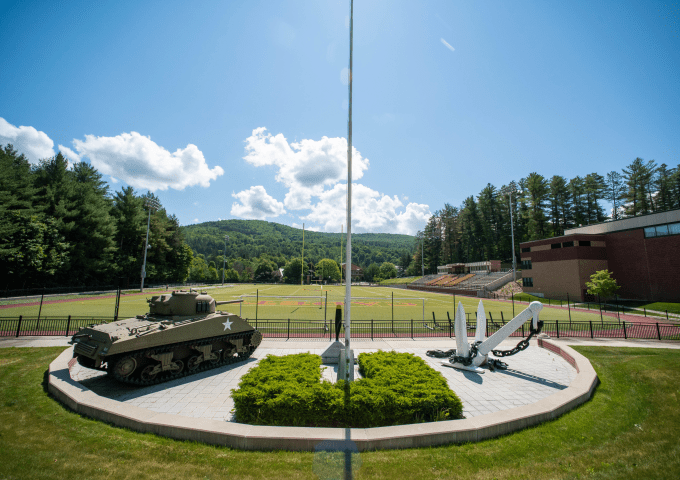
357 272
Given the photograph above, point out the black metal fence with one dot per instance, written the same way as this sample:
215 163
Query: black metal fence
366 329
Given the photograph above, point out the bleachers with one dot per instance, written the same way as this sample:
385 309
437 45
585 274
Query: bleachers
441 281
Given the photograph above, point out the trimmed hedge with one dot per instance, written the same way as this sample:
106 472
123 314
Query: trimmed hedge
397 389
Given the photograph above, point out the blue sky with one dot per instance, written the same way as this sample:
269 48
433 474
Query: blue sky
239 109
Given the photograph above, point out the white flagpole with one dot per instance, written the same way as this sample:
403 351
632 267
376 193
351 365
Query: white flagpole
349 376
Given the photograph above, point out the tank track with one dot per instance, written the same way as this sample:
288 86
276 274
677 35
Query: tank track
203 366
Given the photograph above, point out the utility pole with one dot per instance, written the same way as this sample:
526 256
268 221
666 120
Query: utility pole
224 258
341 240
422 256
150 204
302 266
509 191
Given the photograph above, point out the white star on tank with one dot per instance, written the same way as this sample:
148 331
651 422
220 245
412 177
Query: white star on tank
227 324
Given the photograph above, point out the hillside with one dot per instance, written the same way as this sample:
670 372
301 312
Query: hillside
252 238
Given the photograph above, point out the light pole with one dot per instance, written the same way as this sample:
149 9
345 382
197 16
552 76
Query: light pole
509 192
224 258
422 256
150 204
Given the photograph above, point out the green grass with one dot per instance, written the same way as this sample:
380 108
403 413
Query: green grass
628 430
378 308
400 281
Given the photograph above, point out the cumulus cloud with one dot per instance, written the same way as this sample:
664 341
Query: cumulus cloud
372 211
34 144
141 163
305 167
257 204
72 156
447 45
312 171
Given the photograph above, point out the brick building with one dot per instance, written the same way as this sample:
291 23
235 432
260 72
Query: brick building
643 254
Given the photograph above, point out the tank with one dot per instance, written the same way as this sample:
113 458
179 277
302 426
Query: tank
183 333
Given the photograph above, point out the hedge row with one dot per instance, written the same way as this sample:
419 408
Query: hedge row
397 389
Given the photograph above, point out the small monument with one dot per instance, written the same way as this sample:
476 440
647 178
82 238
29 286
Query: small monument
473 356
335 353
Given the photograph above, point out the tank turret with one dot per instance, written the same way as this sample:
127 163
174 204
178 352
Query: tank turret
183 333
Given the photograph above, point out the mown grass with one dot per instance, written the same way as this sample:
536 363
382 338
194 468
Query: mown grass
400 281
628 430
133 304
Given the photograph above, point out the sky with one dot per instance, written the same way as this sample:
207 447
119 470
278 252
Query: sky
238 109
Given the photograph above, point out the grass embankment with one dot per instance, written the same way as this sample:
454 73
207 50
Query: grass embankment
628 430
371 303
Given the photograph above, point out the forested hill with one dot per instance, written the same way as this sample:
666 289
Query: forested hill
252 238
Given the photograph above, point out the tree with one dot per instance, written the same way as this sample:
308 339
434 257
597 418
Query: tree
537 187
264 270
638 176
664 196
388 270
231 276
291 273
594 187
602 284
371 272
614 193
558 199
328 270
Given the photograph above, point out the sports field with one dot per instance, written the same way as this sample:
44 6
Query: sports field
294 302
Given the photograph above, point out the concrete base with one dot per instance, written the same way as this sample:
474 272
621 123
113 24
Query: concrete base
81 399
342 365
330 355
460 366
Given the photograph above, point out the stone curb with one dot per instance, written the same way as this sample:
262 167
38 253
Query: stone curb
256 437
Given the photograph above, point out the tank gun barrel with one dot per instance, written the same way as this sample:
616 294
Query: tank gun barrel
224 302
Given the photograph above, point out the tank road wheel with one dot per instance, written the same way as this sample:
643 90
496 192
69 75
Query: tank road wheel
124 367
193 362
180 367
217 360
146 374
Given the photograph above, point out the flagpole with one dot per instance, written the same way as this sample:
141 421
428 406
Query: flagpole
349 376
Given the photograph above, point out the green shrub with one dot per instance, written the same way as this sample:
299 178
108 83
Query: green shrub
397 388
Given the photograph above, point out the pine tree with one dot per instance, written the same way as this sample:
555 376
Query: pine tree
614 193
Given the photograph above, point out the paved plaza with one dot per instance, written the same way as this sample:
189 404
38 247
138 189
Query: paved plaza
533 374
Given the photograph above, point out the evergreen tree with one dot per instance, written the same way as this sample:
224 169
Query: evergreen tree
579 209
614 193
664 185
537 187
560 207
638 177
594 187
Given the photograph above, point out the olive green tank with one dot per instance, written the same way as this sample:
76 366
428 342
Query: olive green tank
183 333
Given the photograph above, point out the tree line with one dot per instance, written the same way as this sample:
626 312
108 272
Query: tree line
480 229
63 226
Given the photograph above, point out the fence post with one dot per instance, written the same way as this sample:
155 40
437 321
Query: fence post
289 328
68 325
591 328
325 310
666 315
658 332
502 319
625 333
392 306
371 329
568 307
645 309
411 329
37 324
257 302
557 327
513 304
19 325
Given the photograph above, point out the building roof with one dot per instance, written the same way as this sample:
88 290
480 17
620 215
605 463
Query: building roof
631 223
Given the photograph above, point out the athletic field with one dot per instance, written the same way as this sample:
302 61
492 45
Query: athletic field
280 302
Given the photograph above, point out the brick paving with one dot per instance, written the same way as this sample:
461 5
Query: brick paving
532 375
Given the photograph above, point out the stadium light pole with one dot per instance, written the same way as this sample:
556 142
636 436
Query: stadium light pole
349 376
224 257
150 204
422 256
302 261
509 192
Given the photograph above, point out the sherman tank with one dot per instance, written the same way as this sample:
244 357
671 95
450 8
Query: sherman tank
183 333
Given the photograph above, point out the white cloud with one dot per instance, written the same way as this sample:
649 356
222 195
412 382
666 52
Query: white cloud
72 156
447 45
372 211
305 167
256 204
141 163
34 144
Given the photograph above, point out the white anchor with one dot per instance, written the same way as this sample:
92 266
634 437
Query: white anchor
486 346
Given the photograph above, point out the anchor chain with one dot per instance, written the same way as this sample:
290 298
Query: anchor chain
492 363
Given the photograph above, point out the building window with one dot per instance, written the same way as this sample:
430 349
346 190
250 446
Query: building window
526 264
568 244
527 282
526 249
584 243
662 230
556 245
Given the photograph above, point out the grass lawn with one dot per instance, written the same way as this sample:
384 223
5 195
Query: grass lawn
628 430
369 303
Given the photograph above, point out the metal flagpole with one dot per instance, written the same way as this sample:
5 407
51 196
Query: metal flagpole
302 261
349 376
